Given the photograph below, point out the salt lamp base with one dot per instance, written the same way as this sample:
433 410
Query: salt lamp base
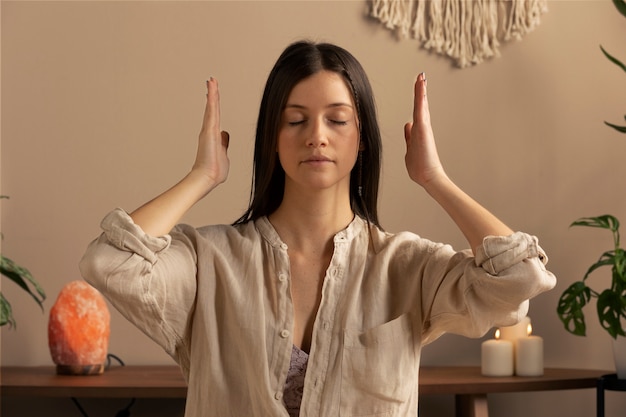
80 369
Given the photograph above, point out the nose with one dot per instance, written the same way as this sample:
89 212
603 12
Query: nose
317 135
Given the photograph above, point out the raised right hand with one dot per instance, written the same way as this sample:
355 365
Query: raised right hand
159 215
212 158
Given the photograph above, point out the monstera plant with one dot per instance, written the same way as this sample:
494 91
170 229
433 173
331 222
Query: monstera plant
621 7
611 302
23 278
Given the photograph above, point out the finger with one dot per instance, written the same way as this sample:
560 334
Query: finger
407 132
420 105
211 118
225 139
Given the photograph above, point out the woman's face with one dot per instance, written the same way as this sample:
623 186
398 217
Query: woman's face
318 138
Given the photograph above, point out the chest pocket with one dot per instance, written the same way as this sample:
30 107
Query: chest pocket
379 369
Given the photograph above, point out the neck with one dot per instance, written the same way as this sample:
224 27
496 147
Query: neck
312 219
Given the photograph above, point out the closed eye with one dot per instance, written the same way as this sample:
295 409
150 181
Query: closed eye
296 123
339 122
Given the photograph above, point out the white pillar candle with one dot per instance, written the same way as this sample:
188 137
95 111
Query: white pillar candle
497 357
529 355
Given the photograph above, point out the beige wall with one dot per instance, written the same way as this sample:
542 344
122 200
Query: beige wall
101 105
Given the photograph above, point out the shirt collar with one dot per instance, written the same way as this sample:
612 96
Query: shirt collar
346 235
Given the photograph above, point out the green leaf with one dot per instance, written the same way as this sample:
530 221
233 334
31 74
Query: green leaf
610 312
621 6
6 313
605 221
619 265
570 307
613 59
606 259
621 129
22 277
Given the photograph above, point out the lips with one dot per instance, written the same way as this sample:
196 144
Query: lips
317 158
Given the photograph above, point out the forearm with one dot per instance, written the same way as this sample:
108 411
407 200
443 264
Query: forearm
474 221
160 215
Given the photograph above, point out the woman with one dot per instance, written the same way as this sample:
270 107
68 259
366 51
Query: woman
306 282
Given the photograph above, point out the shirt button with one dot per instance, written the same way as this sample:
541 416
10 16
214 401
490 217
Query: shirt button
282 277
284 334
278 395
284 246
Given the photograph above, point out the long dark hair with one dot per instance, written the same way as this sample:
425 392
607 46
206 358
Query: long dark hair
297 62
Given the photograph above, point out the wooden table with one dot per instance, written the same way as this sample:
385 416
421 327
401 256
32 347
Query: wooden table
116 382
468 386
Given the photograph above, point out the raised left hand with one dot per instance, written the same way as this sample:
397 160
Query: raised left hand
422 160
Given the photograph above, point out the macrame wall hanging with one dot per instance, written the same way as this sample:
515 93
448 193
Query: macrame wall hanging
467 31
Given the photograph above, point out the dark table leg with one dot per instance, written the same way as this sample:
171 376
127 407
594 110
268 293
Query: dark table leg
471 405
600 398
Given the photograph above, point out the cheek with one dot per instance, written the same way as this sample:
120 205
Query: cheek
280 141
284 148
351 153
357 143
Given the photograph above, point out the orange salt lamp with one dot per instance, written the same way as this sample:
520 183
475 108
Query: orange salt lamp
78 330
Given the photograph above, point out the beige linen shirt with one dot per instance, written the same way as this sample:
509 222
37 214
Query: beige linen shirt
218 300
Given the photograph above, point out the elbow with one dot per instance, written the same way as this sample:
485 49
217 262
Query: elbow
539 278
90 272
93 266
87 270
524 281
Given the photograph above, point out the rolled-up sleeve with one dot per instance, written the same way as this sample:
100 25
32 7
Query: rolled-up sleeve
492 288
150 280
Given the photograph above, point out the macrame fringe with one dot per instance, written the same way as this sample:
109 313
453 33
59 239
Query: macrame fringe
468 31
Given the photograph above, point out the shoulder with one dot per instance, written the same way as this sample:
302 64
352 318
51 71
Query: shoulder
241 237
403 241
219 233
